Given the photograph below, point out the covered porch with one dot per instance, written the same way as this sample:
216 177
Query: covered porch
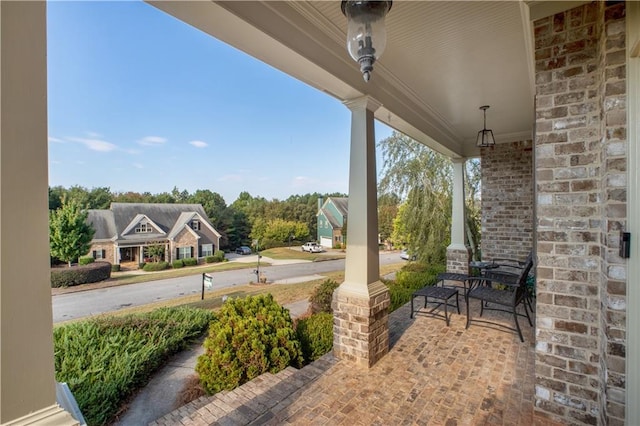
432 375
563 80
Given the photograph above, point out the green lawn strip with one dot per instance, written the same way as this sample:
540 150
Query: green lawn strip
296 253
104 360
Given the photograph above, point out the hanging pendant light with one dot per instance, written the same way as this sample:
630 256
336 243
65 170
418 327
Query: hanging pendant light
366 33
485 136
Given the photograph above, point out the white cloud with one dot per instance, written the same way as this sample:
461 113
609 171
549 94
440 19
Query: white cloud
94 135
199 144
152 141
95 144
56 140
138 166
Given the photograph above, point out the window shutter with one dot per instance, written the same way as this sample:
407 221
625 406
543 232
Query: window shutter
104 254
200 251
94 254
191 251
177 253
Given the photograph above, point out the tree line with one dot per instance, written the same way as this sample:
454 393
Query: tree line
273 222
414 205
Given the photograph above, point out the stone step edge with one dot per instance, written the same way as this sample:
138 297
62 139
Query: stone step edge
249 396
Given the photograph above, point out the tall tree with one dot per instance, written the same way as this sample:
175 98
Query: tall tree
422 178
69 233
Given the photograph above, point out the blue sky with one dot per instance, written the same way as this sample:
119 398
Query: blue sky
139 101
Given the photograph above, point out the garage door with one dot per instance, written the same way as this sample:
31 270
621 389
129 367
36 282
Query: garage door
326 242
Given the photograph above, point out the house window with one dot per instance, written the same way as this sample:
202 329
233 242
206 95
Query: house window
98 254
206 250
195 224
143 227
184 252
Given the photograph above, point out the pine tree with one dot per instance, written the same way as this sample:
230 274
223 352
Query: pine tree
69 233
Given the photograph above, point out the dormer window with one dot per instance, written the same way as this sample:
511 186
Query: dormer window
195 224
143 228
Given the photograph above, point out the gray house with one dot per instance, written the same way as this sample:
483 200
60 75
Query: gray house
126 231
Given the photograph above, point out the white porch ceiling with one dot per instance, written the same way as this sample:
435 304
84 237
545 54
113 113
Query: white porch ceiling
444 59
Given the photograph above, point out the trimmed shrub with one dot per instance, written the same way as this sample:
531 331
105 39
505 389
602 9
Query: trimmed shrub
252 336
190 261
321 297
86 260
141 265
219 256
176 264
155 266
91 273
106 360
115 267
315 334
210 259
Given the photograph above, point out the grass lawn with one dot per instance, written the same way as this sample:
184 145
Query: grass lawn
295 252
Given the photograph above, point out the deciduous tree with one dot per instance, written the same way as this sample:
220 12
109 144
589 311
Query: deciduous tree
69 233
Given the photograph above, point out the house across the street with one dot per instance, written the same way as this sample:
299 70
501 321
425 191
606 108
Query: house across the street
125 232
332 216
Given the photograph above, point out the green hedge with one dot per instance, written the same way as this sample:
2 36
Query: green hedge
190 261
320 299
252 336
155 266
177 264
315 334
115 267
104 361
76 275
85 260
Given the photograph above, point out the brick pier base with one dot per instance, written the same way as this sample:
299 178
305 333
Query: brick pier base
458 260
361 325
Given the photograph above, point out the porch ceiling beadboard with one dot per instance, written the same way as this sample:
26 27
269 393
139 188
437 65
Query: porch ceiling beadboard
443 61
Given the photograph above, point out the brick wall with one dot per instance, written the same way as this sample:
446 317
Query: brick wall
580 153
507 201
108 251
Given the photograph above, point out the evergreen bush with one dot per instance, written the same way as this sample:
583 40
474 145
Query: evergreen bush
115 267
176 264
322 296
413 276
91 273
190 261
210 259
315 334
155 266
219 256
252 336
105 360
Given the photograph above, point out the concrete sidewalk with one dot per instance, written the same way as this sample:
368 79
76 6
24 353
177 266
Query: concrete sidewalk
159 396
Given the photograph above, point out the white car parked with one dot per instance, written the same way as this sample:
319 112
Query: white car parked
312 247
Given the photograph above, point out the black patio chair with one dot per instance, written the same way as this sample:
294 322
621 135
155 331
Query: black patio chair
504 291
508 271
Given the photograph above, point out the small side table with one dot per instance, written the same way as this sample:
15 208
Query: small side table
441 295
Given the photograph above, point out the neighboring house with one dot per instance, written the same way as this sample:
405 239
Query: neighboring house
332 217
126 230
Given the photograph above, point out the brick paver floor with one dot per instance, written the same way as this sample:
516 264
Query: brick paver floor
433 375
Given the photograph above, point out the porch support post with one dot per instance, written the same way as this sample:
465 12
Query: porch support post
27 381
361 303
458 254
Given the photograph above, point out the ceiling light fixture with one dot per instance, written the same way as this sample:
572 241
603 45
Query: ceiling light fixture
366 33
485 136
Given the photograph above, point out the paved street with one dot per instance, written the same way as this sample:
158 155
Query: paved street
93 302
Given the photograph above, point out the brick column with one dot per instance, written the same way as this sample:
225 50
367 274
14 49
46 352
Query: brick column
361 303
